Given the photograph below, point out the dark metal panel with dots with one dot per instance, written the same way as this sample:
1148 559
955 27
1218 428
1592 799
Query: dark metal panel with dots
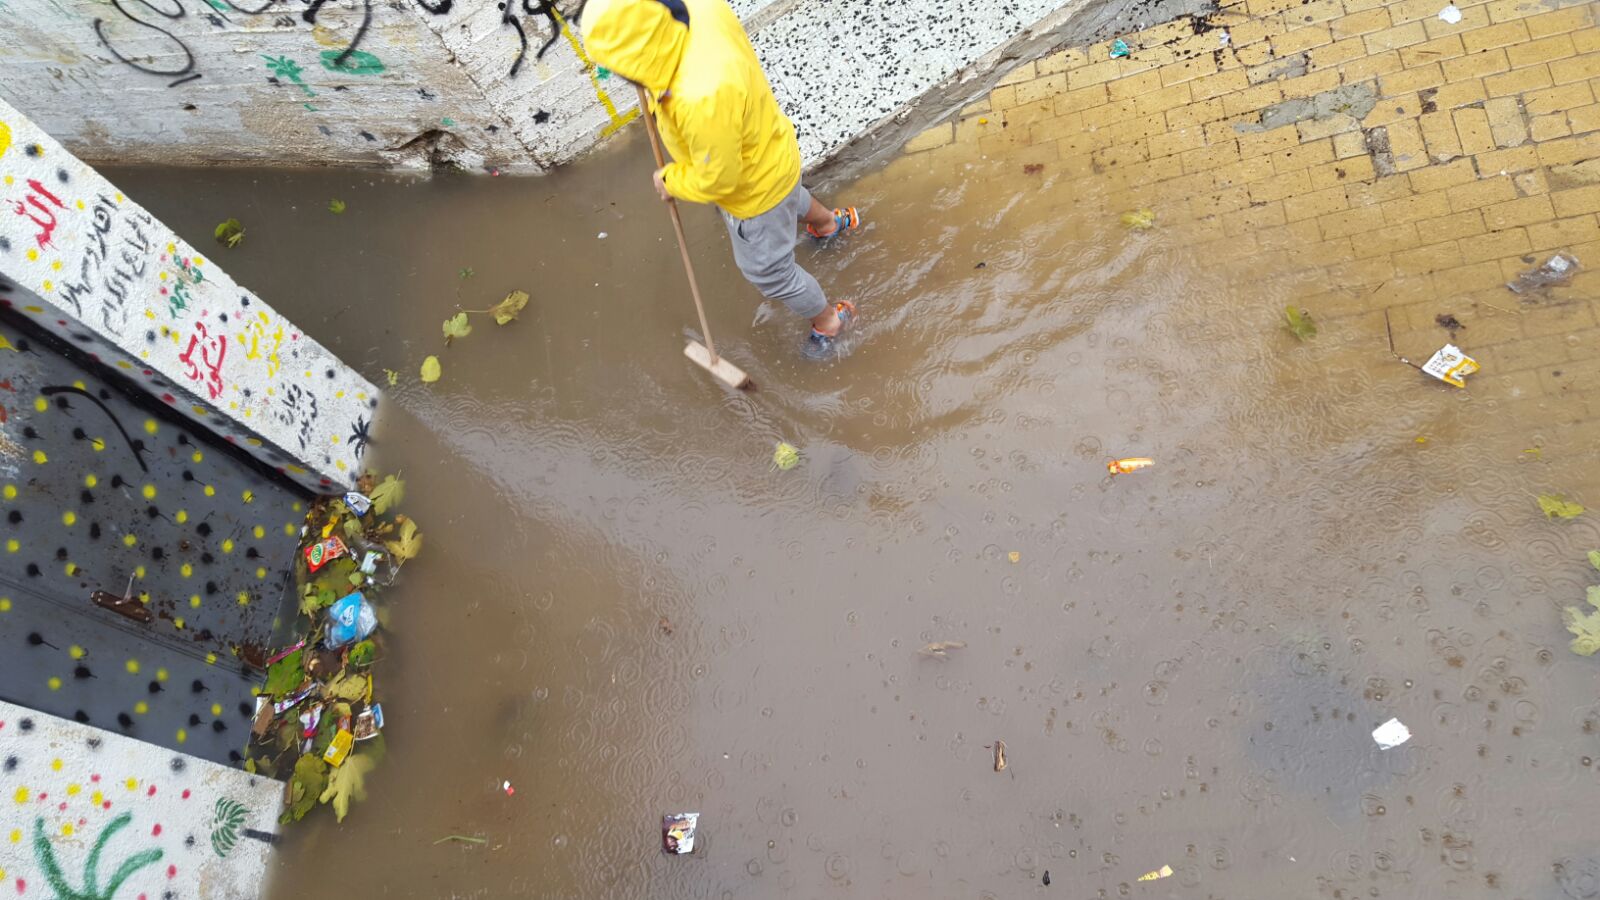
96 491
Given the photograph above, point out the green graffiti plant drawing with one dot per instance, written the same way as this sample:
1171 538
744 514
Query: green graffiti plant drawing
44 854
225 826
352 62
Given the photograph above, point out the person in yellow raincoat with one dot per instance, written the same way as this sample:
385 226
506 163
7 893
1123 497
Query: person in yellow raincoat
730 143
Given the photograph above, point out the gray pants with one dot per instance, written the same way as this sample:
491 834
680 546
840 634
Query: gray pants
764 249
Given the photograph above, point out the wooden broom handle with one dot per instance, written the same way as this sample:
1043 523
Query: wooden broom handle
677 222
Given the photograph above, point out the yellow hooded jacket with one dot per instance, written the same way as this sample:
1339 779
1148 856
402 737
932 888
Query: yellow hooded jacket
731 144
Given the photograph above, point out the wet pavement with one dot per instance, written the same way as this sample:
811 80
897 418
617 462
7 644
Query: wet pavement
624 609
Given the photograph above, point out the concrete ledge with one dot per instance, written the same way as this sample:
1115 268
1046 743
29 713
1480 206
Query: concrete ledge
173 825
92 267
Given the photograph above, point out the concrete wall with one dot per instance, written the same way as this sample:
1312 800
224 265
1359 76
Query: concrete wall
91 266
170 825
463 81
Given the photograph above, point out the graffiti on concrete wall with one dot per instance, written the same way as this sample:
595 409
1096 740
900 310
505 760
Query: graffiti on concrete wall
92 815
101 273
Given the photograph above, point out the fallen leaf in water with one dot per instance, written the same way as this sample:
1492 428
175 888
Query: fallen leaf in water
1448 322
229 233
1162 872
1584 624
392 376
785 457
407 544
1594 558
1300 324
336 206
1557 507
1014 556
431 370
348 782
1140 219
456 326
349 688
387 494
285 675
665 625
941 649
465 273
999 756
1420 440
506 310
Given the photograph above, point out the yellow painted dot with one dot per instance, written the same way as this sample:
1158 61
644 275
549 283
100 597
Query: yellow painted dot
98 443
216 709
76 652
227 545
161 674
56 265
129 540
186 570
69 518
182 735
21 796
54 683
5 604
10 491
132 784
288 528
261 571
138 572
249 496
141 708
244 598
150 426
149 492
73 790
210 491
211 659
97 798
259 532
16 835
90 480
194 601
66 829
13 545
197 456
80 385
198 409
182 516
144 597
3 871
55 765
39 458
178 623
71 569
132 666
295 506
40 404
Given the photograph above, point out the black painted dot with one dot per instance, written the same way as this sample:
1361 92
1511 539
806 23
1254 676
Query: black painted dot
11 763
150 337
6 246
207 558
177 764
61 403
92 742
188 475
155 687
33 570
14 517
138 445
25 724
234 756
372 403
81 717
34 150
125 720
30 432
329 373
116 481
203 529
61 554
86 496
197 686
94 527
62 176
183 439
81 337
193 720
104 394
189 841
218 726
245 710
244 301
79 433
252 553
157 552
35 639
152 512
211 588
82 672
23 345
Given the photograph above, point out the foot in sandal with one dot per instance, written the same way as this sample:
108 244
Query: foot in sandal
827 328
845 220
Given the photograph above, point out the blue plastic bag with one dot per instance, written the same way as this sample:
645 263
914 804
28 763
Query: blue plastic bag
350 618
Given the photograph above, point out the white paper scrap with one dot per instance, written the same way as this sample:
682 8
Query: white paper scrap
1391 734
1451 366
1450 14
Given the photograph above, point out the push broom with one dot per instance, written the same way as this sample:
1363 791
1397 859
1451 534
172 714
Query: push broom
704 355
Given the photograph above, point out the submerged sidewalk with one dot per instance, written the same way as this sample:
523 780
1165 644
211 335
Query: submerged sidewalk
1407 165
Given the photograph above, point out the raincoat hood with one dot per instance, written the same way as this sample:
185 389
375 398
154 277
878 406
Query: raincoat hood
641 40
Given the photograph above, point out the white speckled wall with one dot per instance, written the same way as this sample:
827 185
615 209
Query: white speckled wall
89 265
410 82
88 813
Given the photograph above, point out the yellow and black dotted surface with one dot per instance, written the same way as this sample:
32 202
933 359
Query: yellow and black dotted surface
97 491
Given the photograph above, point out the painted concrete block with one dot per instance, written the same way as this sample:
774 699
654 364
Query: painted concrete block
88 813
95 269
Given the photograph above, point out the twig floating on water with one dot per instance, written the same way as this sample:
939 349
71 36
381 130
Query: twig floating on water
461 837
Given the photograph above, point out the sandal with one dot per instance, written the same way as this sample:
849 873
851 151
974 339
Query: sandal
845 220
847 312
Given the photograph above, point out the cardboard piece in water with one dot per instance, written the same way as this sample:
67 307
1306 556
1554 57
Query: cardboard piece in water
1451 366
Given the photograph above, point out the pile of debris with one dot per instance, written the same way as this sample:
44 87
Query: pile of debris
318 723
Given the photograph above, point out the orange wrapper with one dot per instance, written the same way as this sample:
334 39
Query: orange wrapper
1129 464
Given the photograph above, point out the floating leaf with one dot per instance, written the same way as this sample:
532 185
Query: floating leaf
387 494
349 782
1558 507
392 376
309 781
506 310
229 233
363 653
352 529
1140 219
1014 556
336 206
431 370
349 688
456 326
1593 595
1300 324
1594 558
1586 627
785 457
286 675
407 544
466 272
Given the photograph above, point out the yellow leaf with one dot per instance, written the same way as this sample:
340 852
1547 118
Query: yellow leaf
506 310
1014 556
346 783
431 370
407 544
785 456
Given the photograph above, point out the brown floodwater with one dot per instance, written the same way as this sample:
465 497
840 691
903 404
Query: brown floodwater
624 609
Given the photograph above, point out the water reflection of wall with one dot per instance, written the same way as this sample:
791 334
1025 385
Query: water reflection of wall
88 264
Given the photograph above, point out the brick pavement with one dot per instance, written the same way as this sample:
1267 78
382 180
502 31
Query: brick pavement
1409 165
